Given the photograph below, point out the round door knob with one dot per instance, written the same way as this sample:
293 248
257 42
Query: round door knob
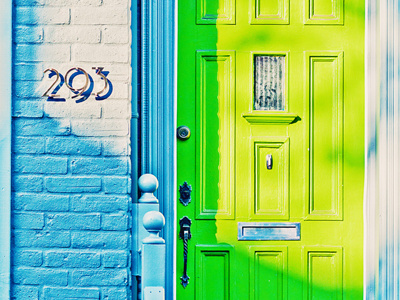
183 133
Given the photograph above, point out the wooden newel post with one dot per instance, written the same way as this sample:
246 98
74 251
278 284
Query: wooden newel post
153 257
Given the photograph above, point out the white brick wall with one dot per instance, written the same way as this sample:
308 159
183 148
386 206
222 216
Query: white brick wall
71 166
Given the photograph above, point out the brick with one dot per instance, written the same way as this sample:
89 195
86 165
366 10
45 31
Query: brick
42 15
115 35
28 220
28 34
69 259
40 202
100 203
40 276
28 71
70 3
116 110
24 292
41 127
116 147
37 53
89 165
114 2
27 183
100 15
78 111
43 239
120 91
72 34
116 185
115 222
115 259
30 89
40 164
100 53
30 109
116 293
73 293
29 2
28 258
73 184
32 145
100 127
73 221
99 277
99 240
57 145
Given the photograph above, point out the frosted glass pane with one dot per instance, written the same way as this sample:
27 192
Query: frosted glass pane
269 83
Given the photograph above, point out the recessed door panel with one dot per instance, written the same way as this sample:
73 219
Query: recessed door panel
268 272
323 12
215 127
271 178
323 265
269 11
213 272
216 11
325 94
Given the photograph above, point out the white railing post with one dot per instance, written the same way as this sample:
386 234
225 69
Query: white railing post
153 257
149 248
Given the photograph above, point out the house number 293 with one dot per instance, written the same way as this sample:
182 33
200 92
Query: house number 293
83 91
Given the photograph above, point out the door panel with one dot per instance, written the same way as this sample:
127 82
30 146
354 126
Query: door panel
273 93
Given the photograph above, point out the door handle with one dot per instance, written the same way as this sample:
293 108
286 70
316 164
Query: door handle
185 235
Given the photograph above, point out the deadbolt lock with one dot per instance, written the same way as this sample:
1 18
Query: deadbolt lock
183 133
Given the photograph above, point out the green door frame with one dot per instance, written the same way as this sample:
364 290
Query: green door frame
5 146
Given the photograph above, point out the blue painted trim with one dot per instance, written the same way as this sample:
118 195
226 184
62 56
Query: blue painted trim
5 146
158 114
258 231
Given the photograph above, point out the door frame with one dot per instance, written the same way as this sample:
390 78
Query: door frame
158 99
5 146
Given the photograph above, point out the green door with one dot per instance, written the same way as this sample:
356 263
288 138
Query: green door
273 94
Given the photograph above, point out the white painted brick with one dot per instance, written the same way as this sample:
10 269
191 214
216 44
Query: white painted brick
42 15
100 127
27 71
114 3
100 53
116 109
36 53
71 34
71 109
115 35
28 34
100 15
120 90
71 3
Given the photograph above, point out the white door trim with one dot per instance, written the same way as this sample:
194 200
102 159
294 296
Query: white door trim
382 151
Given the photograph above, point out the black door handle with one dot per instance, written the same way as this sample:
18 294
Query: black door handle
185 235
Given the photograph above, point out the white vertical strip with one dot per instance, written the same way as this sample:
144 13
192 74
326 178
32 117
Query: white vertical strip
5 145
371 209
382 208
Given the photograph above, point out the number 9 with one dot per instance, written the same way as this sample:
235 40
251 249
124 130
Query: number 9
82 89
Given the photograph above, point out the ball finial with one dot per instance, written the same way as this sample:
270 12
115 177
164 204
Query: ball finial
153 222
148 184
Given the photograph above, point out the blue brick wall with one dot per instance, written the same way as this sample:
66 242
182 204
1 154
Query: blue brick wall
71 204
